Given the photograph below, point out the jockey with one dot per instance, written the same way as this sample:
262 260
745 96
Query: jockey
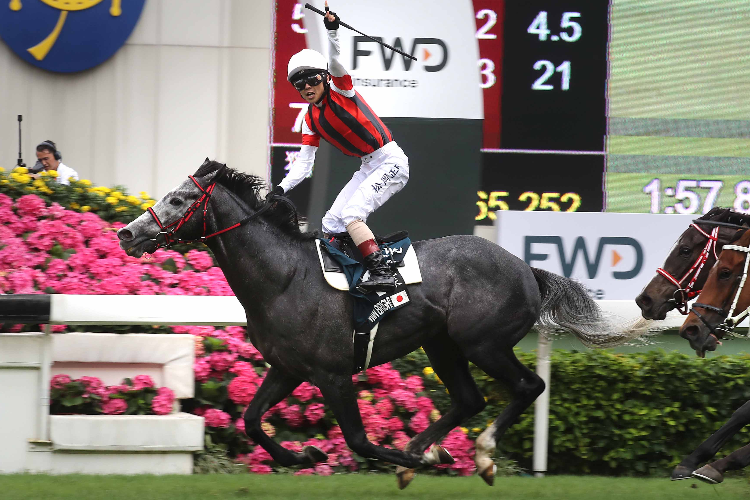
338 114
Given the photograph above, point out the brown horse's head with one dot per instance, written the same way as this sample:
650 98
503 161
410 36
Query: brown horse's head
725 295
687 265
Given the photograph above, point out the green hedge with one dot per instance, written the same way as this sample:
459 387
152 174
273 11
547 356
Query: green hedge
616 414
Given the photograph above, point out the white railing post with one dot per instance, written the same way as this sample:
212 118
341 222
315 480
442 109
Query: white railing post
541 408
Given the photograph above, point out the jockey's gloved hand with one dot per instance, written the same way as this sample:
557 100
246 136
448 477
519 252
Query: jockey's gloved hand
277 191
331 25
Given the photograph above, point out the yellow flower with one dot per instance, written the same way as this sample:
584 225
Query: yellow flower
428 371
268 429
117 195
476 429
464 430
21 170
85 208
438 379
132 200
112 200
2 169
75 206
120 209
4 181
52 173
434 415
104 189
85 182
38 183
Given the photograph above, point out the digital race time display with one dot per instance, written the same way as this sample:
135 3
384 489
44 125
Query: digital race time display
674 193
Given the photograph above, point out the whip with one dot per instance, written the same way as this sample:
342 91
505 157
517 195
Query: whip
342 23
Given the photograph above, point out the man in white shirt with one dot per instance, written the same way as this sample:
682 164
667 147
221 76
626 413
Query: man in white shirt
50 158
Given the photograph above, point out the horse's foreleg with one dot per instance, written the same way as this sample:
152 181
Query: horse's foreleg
275 387
710 446
341 397
466 399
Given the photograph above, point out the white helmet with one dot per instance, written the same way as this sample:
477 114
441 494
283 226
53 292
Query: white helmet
303 60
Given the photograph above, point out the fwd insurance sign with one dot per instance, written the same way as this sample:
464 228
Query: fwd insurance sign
613 255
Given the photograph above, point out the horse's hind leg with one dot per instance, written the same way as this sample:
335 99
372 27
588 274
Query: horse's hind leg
525 386
275 387
710 446
714 473
466 399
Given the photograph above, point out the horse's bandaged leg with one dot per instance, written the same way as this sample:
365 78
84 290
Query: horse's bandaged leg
485 447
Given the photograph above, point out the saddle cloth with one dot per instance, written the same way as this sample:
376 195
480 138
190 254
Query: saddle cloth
334 274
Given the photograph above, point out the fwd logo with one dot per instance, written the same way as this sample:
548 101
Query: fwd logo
580 249
427 54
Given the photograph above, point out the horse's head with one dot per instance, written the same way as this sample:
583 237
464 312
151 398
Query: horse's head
724 300
686 268
179 214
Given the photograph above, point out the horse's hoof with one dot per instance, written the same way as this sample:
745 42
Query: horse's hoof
681 472
404 476
709 475
488 474
442 455
314 454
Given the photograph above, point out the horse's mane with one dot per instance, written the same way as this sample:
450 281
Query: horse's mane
728 215
282 214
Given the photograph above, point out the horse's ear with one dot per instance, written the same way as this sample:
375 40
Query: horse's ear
208 167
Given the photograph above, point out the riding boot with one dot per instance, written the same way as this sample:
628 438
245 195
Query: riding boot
382 278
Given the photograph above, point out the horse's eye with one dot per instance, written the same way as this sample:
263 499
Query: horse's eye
175 202
725 274
685 251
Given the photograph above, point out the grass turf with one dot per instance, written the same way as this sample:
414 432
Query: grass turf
371 486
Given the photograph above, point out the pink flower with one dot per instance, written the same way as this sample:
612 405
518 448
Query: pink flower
59 381
239 424
425 404
260 469
293 415
304 392
242 389
384 407
91 383
202 369
142 382
163 401
31 205
419 422
199 260
221 361
314 412
217 418
414 383
114 407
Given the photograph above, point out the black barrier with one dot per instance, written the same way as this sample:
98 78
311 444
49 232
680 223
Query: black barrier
31 309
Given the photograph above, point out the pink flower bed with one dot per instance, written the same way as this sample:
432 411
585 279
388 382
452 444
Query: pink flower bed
54 250
89 396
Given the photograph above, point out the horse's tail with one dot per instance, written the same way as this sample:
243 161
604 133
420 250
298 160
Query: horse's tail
567 305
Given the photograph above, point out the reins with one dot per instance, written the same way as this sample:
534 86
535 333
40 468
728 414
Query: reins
168 231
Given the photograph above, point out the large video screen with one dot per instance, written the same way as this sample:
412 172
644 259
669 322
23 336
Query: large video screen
589 105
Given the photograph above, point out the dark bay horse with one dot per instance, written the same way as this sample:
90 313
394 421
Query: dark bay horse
722 304
475 303
686 267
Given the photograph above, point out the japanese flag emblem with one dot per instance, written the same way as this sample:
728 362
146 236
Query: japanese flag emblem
400 298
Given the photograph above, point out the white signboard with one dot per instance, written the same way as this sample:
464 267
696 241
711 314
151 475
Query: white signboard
444 80
613 255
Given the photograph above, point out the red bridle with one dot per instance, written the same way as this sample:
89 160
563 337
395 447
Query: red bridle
683 295
169 230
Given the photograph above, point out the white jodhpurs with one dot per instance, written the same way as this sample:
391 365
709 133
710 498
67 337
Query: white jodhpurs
383 173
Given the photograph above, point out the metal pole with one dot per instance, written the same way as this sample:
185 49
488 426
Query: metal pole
541 408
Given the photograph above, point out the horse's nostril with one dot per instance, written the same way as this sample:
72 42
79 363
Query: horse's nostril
125 235
688 332
643 301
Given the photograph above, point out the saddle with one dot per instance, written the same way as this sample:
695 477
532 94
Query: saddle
341 263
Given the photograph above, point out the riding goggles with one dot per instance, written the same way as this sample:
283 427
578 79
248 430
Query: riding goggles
311 80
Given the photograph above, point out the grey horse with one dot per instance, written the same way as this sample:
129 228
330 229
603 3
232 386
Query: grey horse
475 303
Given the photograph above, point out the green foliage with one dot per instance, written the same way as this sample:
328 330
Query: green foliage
615 414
